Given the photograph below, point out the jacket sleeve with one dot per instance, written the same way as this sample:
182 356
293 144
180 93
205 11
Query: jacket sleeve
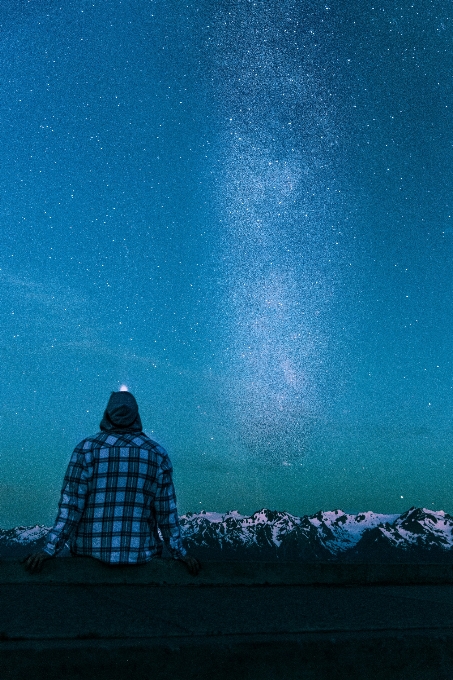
72 502
166 512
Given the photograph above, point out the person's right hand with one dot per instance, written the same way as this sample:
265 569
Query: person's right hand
192 564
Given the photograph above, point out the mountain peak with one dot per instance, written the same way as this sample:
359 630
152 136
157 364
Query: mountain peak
419 534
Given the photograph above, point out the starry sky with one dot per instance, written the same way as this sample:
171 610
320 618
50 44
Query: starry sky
242 210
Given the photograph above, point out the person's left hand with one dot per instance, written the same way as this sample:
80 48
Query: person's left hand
34 562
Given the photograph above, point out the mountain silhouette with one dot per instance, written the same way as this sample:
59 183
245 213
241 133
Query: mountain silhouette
417 535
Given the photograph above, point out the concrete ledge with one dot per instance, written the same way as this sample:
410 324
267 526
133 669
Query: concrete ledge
82 619
423 655
162 572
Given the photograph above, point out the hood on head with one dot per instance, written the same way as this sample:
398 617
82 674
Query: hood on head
121 414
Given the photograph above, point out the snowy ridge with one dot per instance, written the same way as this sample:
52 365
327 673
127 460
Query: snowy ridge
263 528
418 534
343 531
421 527
24 535
325 535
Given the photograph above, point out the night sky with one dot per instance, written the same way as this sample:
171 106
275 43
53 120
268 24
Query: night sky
243 212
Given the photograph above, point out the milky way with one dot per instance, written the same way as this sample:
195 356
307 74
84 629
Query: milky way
242 213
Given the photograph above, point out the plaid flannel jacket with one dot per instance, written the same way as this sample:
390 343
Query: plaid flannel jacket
117 491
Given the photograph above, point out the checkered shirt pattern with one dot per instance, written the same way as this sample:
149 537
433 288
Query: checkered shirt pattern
117 491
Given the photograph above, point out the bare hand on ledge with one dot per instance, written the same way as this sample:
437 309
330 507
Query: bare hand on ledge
192 564
34 562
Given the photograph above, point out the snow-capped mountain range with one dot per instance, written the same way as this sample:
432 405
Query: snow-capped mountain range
418 535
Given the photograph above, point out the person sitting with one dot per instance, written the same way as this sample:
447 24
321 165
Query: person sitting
117 492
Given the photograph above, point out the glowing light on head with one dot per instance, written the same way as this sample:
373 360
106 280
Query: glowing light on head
123 388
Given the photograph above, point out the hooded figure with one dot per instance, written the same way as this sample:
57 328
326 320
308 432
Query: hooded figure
119 462
121 414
